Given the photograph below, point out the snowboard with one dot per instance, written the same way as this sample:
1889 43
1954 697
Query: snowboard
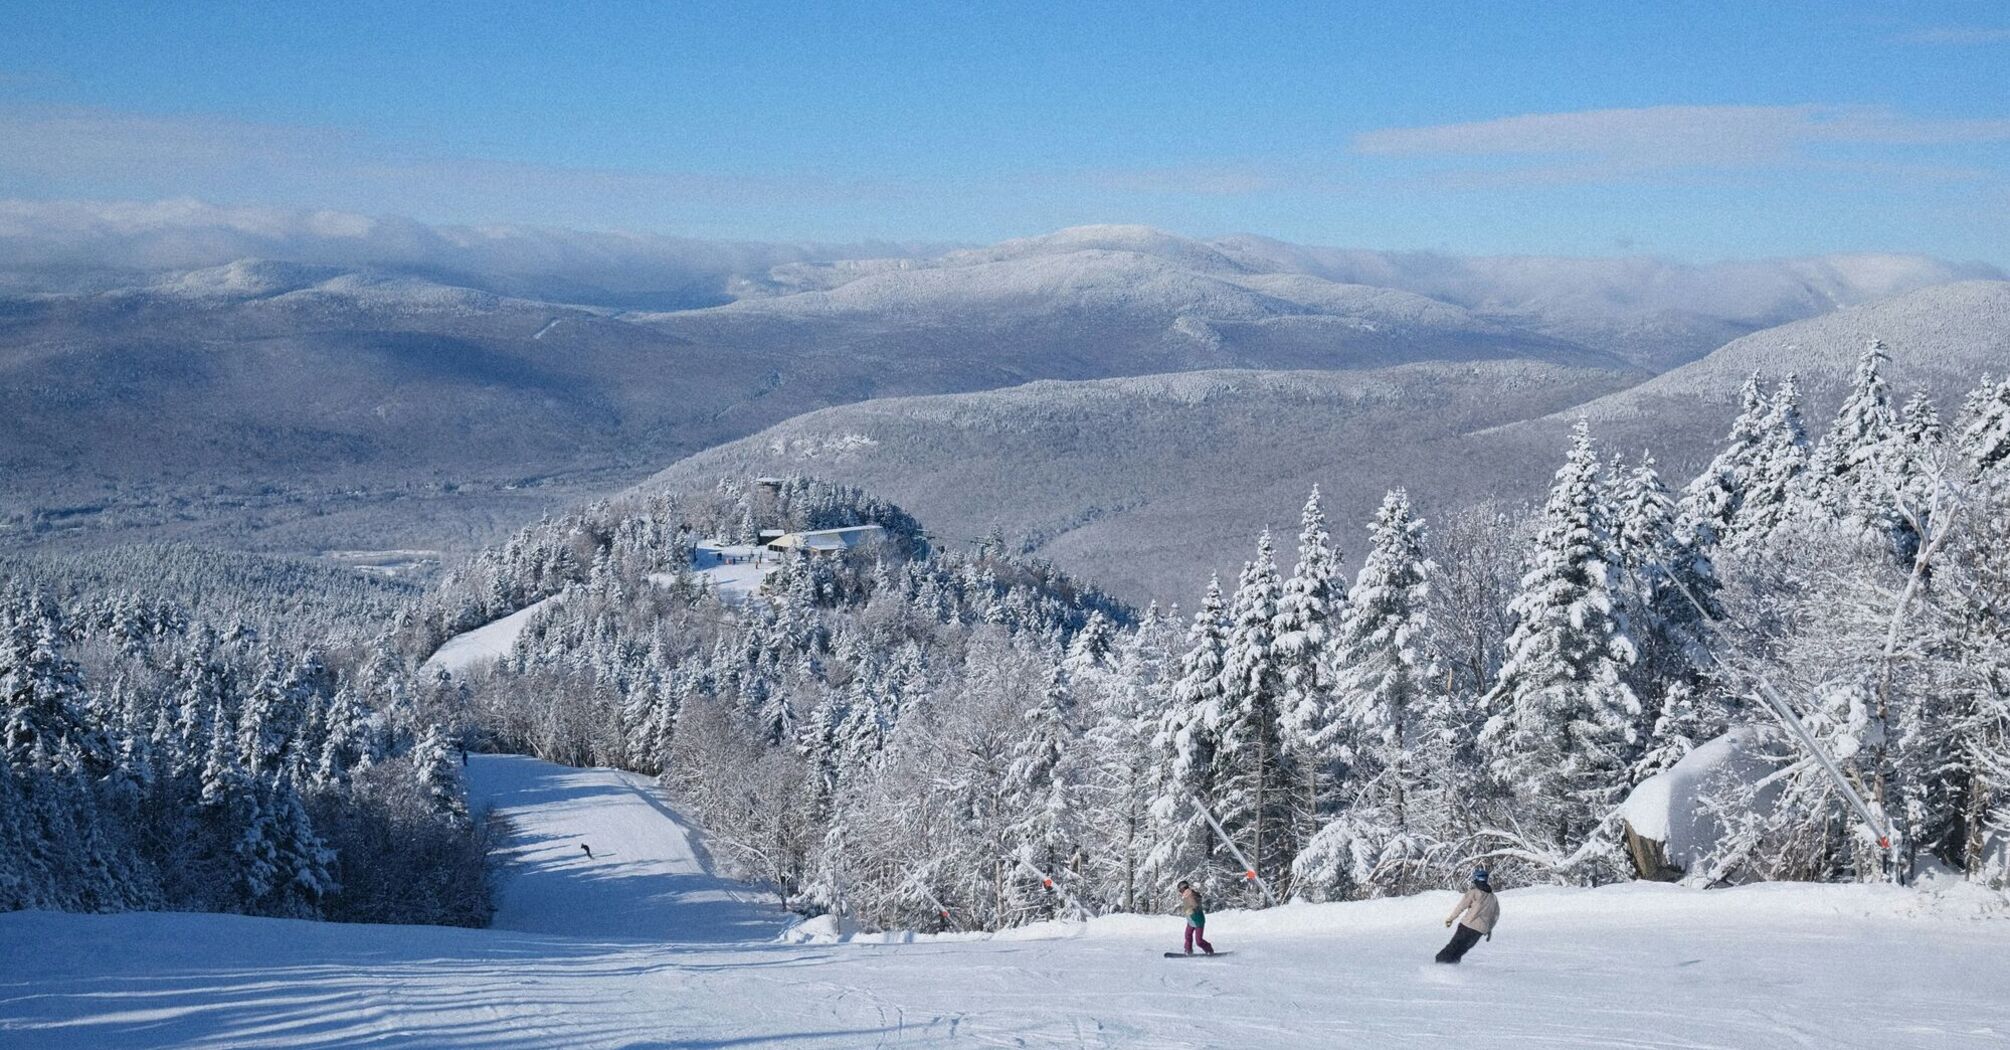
1196 955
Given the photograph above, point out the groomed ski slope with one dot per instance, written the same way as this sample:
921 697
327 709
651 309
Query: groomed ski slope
642 947
733 572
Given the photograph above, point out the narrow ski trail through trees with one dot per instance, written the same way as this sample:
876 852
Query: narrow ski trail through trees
645 945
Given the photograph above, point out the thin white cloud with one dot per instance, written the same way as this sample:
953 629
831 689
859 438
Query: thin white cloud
80 151
1666 138
66 237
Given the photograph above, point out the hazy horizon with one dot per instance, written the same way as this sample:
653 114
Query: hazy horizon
1696 134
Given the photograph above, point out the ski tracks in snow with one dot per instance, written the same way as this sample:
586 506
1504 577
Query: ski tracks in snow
645 945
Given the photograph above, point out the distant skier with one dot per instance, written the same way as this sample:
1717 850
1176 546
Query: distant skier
1196 919
1476 914
588 849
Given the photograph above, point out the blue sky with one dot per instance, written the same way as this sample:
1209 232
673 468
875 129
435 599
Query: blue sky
1692 130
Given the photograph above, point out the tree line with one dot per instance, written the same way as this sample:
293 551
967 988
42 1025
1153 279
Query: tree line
915 737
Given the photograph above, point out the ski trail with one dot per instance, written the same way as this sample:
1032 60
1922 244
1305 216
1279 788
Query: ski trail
644 945
649 877
548 326
483 645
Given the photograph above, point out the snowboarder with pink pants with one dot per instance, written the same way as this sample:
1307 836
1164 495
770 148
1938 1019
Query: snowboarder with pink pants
1196 919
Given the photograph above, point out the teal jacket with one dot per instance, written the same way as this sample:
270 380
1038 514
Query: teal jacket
1196 915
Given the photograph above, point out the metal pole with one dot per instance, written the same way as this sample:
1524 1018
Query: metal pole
1248 869
1878 826
940 908
1053 886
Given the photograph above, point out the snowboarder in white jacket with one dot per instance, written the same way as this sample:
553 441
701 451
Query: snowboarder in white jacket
1476 914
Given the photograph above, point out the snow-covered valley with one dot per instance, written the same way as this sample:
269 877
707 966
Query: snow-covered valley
642 945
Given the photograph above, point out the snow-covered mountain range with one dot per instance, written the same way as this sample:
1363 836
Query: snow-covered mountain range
1148 484
407 386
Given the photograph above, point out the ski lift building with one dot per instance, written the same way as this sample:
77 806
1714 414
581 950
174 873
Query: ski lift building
826 541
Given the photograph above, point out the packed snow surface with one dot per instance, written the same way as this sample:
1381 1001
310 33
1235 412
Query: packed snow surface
483 645
599 853
734 571
644 946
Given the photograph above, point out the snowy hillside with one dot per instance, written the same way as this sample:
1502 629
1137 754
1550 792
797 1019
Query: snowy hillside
483 645
642 946
1941 340
732 571
1147 484
1648 311
399 386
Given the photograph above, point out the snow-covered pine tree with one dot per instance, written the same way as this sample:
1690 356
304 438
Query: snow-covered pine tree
1983 431
285 867
438 773
1126 767
1559 737
222 774
1681 723
1386 674
1669 585
345 743
1042 789
40 692
1921 473
1308 615
1186 742
1387 665
263 725
1714 500
1252 773
1977 686
1849 472
1775 475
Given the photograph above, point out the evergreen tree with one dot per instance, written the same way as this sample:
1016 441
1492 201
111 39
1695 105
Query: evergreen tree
1374 838
1917 461
1561 731
1188 740
1713 502
222 773
1670 585
345 743
1775 476
1386 657
1252 773
1041 786
1848 474
1984 428
1127 768
40 692
438 774
262 724
1308 615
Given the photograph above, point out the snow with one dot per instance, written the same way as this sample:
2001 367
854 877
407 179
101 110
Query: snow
649 877
735 571
483 645
646 947
1666 806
